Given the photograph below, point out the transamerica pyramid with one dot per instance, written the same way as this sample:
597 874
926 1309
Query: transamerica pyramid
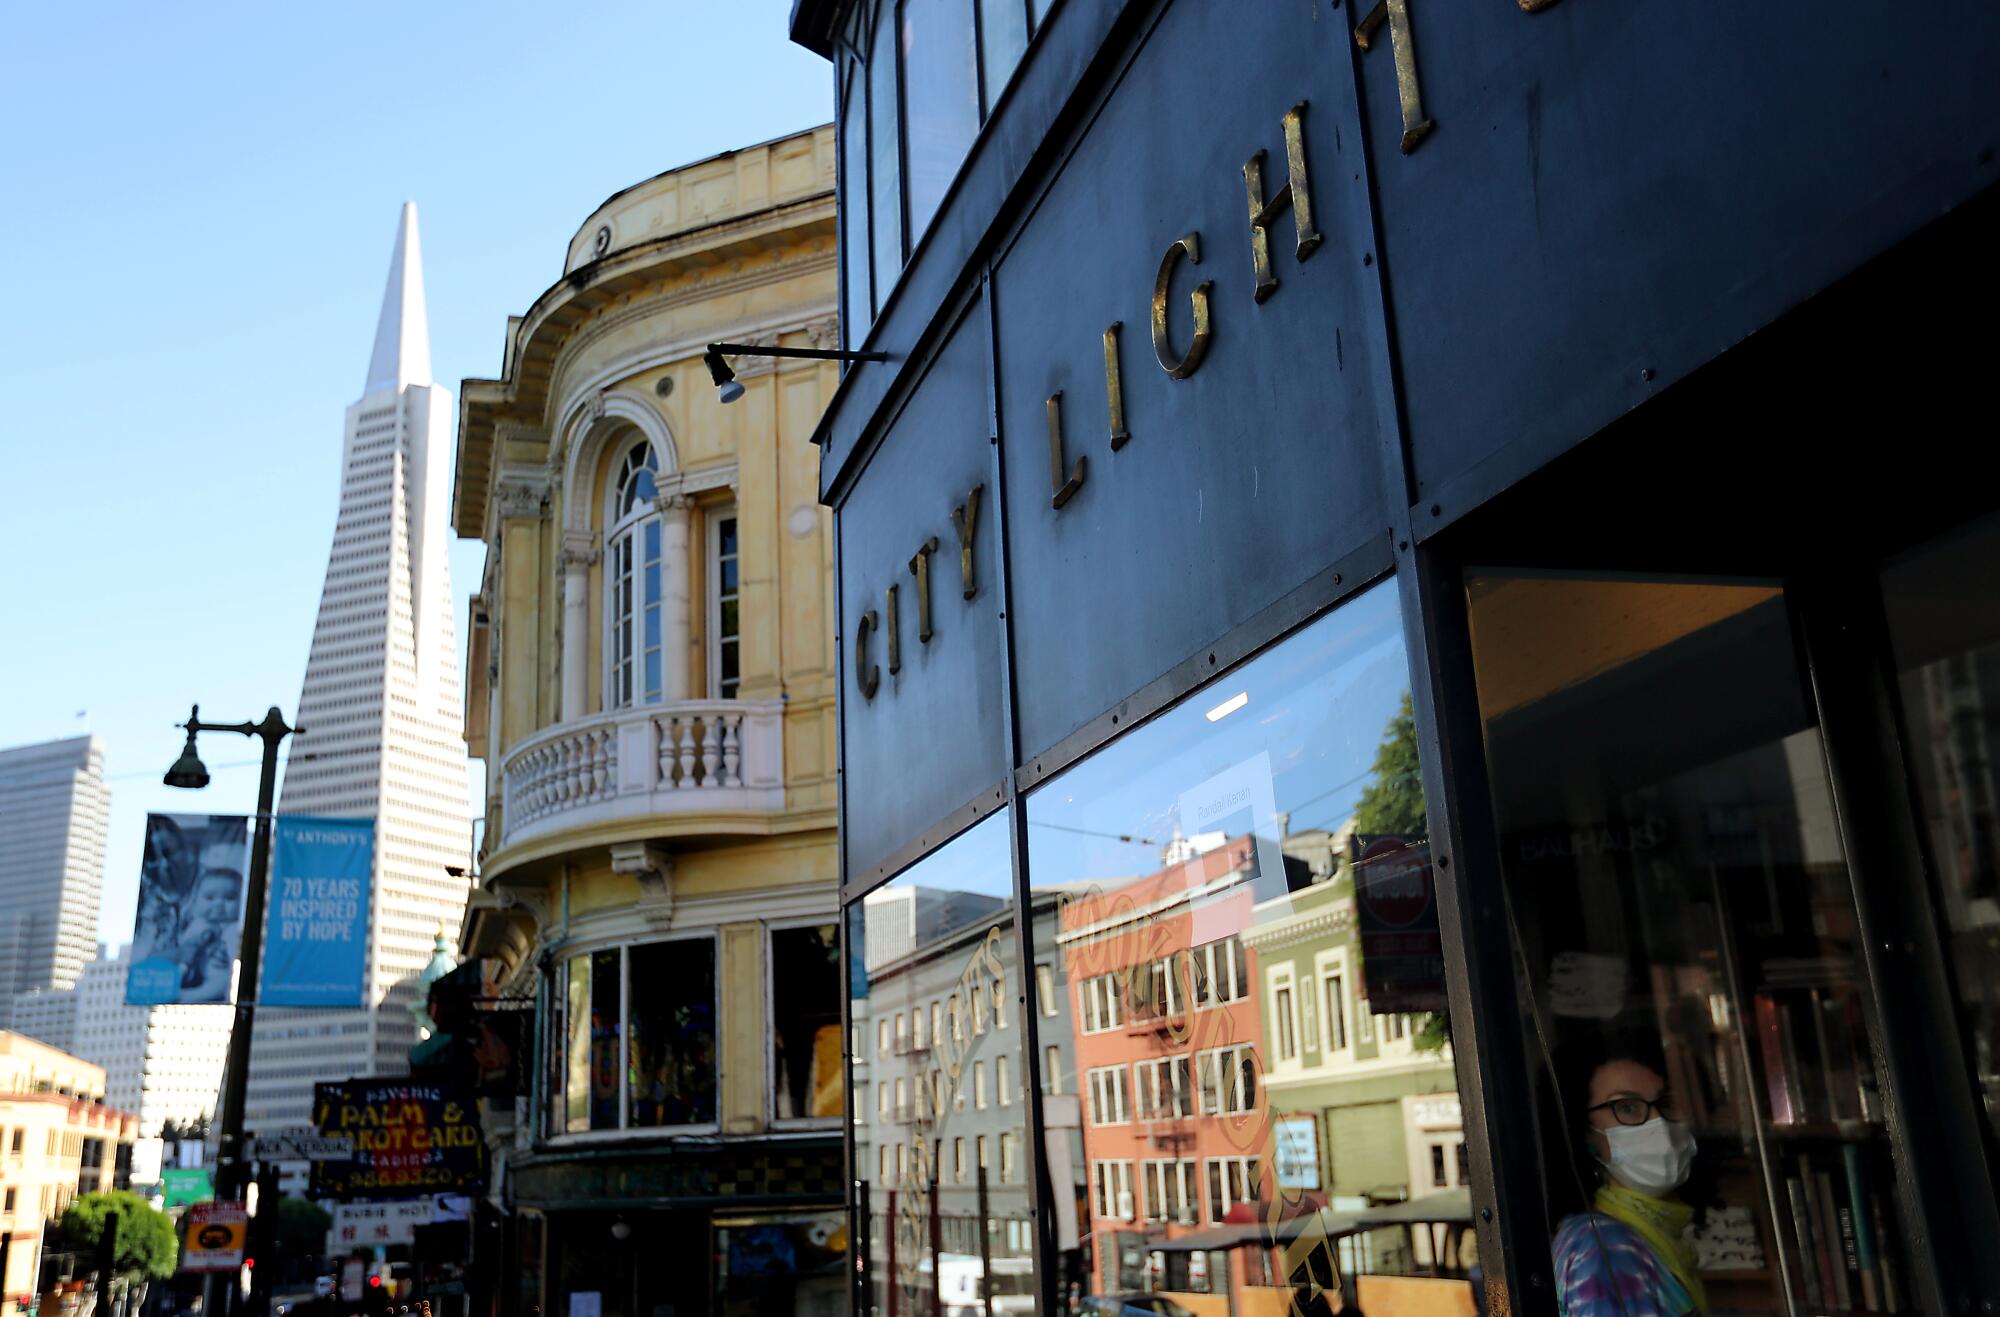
384 732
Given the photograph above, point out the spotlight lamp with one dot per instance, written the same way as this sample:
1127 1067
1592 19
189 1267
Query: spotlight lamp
728 388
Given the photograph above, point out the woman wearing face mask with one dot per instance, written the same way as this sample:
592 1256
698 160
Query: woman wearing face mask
1629 1253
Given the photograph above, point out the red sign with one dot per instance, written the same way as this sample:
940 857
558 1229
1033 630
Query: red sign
1402 952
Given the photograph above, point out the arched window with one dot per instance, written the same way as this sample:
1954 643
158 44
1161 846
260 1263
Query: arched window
633 574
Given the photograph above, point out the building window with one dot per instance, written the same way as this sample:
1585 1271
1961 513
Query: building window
632 573
1336 1012
1052 1067
1170 1192
1003 1079
937 1021
902 1034
1228 1080
882 1099
979 1085
1009 1160
1164 1090
978 1008
1113 1200
958 1160
882 1037
10 1202
725 650
1103 1005
902 1098
1108 1097
1218 972
1282 1007
643 1058
1159 988
919 1035
1231 1180
979 1149
1045 990
805 1022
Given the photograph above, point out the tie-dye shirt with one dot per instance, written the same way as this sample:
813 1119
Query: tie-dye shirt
1605 1268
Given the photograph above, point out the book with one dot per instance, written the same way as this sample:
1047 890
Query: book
1830 1250
1892 1290
1802 1231
1849 1260
1771 1047
1864 1232
1820 1260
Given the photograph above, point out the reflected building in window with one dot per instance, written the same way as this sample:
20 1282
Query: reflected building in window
651 689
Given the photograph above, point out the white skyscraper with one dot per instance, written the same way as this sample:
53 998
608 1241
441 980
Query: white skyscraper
160 1063
54 810
384 731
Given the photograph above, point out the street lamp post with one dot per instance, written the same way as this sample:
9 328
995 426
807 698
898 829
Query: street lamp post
188 772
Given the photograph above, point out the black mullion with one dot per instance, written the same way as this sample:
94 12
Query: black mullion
1041 1186
1950 1218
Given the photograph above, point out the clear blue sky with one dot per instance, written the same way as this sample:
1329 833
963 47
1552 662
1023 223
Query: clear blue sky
197 204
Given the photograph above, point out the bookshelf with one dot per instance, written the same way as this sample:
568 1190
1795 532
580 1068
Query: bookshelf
1767 1034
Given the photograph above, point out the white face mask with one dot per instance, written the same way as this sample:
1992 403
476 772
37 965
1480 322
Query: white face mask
1653 1158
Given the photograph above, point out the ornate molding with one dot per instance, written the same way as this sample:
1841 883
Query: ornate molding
699 482
579 550
521 492
653 865
675 503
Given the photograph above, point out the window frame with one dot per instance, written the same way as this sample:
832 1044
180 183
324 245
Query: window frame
623 529
546 1135
713 518
1099 1078
771 929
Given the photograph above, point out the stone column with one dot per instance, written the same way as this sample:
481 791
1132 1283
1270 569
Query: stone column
577 556
675 510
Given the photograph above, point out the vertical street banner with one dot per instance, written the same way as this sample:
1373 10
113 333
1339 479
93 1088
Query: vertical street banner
316 912
190 922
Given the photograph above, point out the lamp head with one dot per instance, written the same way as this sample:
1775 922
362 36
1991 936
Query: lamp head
727 387
188 771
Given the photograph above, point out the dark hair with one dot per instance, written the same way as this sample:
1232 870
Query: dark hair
1570 1174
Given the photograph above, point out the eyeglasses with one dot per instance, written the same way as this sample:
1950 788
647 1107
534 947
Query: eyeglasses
1638 1110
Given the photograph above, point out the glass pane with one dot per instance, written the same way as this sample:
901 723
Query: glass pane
729 623
940 98
725 535
653 626
918 947
606 1028
885 201
673 1033
652 534
727 584
652 674
854 208
1699 1019
1003 40
1266 834
1944 617
805 1022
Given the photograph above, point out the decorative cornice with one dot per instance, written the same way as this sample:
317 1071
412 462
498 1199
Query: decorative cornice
520 492
653 866
579 549
1304 928
701 481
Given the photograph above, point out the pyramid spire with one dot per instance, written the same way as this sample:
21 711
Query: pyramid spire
402 336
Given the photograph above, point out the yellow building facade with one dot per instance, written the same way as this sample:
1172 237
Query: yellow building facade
651 685
57 1140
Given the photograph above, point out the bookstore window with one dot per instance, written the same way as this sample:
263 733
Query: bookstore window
1944 619
1700 1021
918 948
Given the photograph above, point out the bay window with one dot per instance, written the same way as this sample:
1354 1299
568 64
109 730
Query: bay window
724 594
632 573
805 1022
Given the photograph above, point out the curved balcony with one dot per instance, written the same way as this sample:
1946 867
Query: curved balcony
689 757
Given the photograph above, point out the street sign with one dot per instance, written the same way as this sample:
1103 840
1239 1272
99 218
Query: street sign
215 1235
359 1225
300 1145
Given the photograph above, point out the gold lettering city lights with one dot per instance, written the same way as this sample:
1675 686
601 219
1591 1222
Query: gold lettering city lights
1296 193
867 676
1403 50
1185 365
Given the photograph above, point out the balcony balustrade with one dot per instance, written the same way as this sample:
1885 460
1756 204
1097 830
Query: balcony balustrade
689 757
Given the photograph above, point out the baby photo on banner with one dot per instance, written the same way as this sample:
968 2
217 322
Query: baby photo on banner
190 909
316 916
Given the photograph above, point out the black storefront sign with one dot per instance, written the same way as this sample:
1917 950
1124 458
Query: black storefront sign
1196 417
412 1138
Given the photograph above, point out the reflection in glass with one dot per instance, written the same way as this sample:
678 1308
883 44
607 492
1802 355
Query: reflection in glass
1236 883
940 98
1944 618
1681 909
805 1022
941 1207
673 1032
885 199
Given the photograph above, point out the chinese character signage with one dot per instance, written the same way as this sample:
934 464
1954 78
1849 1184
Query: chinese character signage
215 1235
411 1139
316 921
190 909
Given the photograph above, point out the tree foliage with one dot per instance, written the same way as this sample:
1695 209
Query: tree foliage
146 1242
301 1229
1393 800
